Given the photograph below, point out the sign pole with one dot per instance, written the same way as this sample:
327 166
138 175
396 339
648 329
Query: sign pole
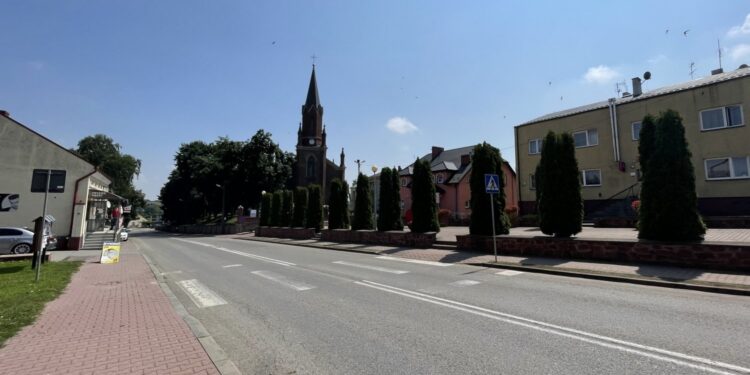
492 212
40 253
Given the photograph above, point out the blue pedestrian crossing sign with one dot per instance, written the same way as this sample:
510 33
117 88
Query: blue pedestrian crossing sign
491 183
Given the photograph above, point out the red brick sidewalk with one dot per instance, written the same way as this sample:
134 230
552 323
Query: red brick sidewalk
112 319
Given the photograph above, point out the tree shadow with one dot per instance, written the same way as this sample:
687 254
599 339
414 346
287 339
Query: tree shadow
539 261
668 273
14 269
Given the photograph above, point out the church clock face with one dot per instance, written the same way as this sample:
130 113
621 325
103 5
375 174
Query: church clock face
311 141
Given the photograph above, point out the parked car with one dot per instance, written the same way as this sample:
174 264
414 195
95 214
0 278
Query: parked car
15 240
124 234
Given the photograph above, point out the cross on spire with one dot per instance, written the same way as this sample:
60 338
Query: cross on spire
313 57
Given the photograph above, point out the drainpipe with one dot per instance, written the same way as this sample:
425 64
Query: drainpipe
75 198
613 127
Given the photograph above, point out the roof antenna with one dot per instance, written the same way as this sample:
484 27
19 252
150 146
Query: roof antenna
718 43
692 69
623 84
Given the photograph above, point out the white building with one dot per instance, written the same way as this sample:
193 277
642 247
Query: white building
79 194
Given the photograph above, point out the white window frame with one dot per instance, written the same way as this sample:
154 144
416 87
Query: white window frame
731 168
532 182
724 115
538 143
404 181
583 177
588 138
440 178
467 204
633 135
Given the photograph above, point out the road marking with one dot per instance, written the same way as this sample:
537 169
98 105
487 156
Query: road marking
171 273
426 262
258 257
374 268
695 362
231 265
465 283
508 273
200 294
283 280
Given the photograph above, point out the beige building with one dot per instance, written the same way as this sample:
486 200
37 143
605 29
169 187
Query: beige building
606 136
79 194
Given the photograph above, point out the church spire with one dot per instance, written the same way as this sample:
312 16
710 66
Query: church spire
312 92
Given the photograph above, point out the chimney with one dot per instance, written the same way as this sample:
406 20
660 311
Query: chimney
717 71
436 151
636 87
465 159
4 113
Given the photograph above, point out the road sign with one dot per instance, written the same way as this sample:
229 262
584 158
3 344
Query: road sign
127 209
491 183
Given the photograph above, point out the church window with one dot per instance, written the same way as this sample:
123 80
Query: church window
310 166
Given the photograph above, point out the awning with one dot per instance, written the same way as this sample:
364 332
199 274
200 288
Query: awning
98 194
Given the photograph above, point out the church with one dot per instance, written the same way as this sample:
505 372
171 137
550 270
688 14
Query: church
312 166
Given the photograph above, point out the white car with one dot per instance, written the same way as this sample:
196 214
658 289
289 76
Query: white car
124 235
15 240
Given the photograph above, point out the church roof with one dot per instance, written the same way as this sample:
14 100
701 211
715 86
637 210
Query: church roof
312 92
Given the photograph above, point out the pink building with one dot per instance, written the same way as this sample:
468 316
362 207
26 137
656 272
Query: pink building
451 170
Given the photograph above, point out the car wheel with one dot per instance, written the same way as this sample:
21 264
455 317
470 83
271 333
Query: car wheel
22 248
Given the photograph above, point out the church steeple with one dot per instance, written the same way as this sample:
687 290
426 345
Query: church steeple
313 100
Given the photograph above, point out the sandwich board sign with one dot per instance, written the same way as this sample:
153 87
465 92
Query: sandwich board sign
110 253
491 183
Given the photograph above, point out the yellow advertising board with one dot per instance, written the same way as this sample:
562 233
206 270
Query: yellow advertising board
110 253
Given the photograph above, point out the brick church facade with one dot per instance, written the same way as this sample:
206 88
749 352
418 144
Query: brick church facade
312 166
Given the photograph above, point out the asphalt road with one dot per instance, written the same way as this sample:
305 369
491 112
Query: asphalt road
278 309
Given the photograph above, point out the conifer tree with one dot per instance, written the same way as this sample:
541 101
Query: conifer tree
398 223
669 204
385 205
570 203
335 213
363 205
276 204
646 142
314 217
265 210
486 159
300 207
287 203
423 206
344 204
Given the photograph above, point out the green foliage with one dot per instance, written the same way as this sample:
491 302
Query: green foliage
21 299
338 211
486 159
363 205
101 151
559 187
314 208
246 168
646 142
287 202
669 204
398 223
266 209
300 207
277 205
423 207
385 213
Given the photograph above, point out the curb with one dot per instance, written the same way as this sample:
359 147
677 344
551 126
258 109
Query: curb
217 355
567 273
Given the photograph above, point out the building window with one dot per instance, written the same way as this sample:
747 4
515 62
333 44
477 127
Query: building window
467 204
56 181
535 146
592 177
311 167
727 168
724 117
532 184
440 179
401 204
586 138
636 130
403 182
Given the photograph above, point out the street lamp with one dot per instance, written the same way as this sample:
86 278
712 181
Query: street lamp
375 198
223 201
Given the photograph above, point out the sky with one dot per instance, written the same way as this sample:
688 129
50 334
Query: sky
395 77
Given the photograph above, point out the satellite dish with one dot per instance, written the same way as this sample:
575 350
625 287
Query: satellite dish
646 76
743 66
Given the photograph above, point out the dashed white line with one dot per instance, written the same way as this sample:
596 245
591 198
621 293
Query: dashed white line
417 261
508 273
283 280
374 268
465 283
200 294
231 265
258 257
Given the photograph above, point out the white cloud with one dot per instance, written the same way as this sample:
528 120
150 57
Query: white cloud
657 59
740 51
742 29
600 74
400 125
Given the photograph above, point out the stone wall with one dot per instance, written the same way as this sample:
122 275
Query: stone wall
284 232
211 229
389 238
700 255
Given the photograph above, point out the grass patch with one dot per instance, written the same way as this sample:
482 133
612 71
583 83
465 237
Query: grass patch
21 299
